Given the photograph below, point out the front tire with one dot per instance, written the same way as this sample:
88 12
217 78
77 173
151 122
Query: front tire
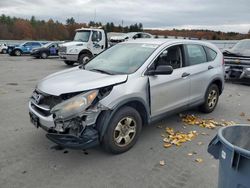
44 55
123 131
211 99
84 58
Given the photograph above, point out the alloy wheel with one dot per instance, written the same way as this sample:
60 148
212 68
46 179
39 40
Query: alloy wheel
212 99
125 131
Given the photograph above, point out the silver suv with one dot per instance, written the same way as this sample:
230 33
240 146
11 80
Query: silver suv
127 86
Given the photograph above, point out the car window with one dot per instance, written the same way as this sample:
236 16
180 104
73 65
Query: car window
137 36
171 56
211 54
196 54
122 58
27 44
145 35
53 46
96 36
36 44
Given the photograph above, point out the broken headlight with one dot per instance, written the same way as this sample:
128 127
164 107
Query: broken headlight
74 106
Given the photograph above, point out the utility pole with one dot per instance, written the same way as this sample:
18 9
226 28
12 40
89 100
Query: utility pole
122 27
95 16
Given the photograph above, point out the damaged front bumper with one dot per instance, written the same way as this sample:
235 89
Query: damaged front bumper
237 68
88 139
237 72
76 133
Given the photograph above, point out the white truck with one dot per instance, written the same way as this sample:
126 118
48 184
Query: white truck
87 43
3 48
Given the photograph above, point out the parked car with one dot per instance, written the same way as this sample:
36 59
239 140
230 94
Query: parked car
3 48
24 48
49 49
127 86
128 36
87 43
237 61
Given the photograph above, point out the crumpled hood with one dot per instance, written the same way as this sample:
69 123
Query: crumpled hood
76 80
74 43
237 52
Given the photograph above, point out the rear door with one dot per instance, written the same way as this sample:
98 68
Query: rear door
169 92
201 69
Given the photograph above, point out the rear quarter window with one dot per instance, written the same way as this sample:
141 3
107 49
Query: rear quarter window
211 54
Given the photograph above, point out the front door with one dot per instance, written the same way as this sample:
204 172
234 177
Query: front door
97 42
169 92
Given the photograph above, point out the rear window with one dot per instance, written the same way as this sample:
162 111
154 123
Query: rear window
211 54
196 54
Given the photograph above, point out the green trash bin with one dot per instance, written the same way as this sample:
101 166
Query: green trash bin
232 147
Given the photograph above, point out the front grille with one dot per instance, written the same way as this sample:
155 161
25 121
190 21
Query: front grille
62 49
43 103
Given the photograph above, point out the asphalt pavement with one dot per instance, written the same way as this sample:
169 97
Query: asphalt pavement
28 160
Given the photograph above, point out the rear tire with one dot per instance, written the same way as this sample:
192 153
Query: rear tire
69 63
211 99
84 58
17 52
123 131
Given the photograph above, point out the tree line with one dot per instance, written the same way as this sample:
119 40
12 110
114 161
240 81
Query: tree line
200 34
12 28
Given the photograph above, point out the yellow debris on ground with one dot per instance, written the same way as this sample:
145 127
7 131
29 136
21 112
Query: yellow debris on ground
177 138
205 123
199 160
162 162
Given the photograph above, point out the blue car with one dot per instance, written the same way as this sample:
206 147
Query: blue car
24 48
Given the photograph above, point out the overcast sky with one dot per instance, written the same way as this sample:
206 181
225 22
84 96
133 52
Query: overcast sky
224 15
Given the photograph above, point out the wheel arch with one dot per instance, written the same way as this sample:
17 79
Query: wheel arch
85 51
136 103
218 82
15 49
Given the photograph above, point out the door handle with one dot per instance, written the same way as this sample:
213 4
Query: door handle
185 74
210 67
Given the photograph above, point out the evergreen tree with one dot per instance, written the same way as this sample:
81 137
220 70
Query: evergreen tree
70 21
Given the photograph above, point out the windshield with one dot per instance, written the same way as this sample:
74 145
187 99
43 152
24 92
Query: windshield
121 58
47 44
244 44
22 44
82 36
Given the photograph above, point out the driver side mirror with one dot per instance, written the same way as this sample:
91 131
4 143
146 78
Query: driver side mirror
161 70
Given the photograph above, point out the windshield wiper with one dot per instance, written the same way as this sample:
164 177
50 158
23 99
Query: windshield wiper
101 71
